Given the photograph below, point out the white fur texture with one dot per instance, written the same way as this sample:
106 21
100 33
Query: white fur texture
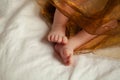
25 53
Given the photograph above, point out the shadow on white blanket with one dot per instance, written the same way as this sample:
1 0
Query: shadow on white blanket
26 55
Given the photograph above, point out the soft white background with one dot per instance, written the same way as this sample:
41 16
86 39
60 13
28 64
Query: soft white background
25 53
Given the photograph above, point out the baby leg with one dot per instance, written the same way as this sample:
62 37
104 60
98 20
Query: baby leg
66 50
57 33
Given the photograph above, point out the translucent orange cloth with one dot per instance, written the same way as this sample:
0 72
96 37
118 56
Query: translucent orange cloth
88 15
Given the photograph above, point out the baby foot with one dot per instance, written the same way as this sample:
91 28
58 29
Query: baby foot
57 34
65 53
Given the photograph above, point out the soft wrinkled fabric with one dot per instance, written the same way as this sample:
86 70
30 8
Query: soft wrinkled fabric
89 15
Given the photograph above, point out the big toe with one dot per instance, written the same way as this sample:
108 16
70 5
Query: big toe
68 61
67 56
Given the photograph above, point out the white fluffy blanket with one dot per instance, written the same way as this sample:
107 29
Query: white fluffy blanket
25 53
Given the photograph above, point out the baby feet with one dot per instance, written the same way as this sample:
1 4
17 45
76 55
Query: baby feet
57 35
65 53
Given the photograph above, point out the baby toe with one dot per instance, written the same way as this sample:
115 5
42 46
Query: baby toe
64 40
68 56
56 38
59 39
52 38
68 61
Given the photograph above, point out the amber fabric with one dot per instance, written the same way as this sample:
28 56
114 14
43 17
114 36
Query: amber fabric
89 15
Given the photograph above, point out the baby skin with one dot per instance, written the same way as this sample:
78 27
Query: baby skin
64 46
